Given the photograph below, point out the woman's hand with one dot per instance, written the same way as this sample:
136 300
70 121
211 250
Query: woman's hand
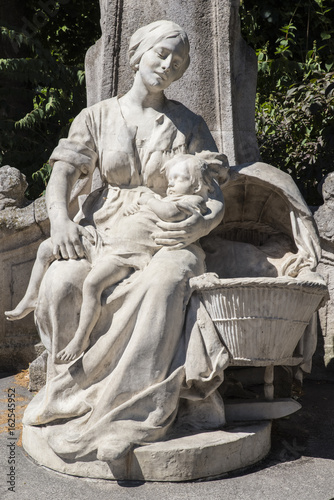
181 234
66 239
66 235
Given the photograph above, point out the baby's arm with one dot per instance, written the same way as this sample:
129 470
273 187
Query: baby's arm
166 210
169 210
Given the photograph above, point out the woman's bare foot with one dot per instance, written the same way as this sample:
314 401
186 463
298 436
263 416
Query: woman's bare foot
21 310
73 350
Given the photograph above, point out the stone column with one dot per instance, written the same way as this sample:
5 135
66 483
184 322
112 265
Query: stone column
324 356
220 83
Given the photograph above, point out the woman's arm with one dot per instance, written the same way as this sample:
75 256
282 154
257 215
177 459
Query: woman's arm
65 234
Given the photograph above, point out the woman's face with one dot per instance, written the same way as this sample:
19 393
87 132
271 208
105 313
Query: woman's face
163 64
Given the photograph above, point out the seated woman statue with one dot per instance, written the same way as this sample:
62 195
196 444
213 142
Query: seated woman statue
115 256
138 364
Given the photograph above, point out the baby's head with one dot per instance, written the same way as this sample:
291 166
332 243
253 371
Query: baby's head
188 174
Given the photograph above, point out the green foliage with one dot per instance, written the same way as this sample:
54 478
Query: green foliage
43 89
294 43
42 176
296 131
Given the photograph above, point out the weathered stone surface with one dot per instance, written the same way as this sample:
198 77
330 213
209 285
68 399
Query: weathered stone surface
324 359
13 185
221 80
37 370
198 455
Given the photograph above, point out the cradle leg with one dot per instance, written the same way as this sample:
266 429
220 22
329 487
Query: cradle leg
268 382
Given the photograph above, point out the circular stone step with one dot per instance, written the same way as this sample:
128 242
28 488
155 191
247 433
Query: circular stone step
201 455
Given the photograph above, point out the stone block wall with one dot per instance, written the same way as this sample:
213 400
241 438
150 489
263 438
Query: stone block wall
23 226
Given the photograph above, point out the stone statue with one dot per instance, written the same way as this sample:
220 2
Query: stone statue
134 356
133 372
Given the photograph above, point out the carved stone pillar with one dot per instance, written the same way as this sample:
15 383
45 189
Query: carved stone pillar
220 83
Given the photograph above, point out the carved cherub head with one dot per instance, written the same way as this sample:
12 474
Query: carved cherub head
189 174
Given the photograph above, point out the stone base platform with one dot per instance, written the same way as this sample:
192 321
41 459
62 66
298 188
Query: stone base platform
201 455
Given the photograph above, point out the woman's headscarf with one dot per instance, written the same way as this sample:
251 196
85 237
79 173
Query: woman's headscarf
148 36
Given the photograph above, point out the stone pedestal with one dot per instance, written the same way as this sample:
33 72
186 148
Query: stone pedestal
201 455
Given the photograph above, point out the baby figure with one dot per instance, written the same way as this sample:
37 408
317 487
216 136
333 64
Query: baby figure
131 214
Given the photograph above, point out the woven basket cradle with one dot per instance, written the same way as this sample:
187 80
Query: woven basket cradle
262 319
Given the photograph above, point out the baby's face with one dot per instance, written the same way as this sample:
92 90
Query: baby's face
179 180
